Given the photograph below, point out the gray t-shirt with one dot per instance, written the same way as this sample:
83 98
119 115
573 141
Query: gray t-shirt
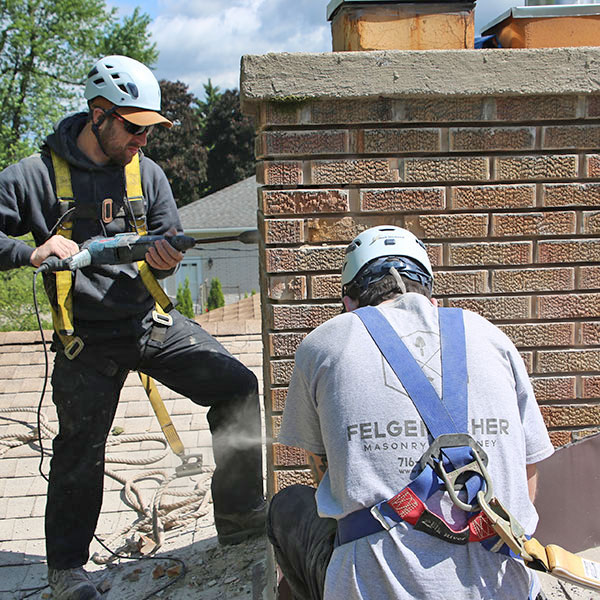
345 401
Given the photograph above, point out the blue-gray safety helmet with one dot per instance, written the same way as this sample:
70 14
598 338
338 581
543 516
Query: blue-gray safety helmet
371 255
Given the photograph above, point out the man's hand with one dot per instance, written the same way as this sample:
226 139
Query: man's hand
162 255
57 245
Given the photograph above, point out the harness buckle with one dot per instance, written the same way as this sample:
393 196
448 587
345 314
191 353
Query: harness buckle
107 210
376 514
162 319
74 348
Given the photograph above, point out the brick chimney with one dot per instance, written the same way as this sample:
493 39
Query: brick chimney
401 24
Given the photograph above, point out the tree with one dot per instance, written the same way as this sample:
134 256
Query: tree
179 150
215 295
185 304
229 137
46 48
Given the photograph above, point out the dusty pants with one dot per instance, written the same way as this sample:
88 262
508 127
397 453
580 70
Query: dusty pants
187 360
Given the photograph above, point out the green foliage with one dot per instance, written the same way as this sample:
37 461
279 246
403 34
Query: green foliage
46 49
17 312
216 299
184 299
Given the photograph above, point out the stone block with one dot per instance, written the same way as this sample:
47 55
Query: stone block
592 163
442 110
591 387
537 335
437 170
281 371
293 143
353 171
290 287
284 479
275 426
435 252
536 108
403 199
490 253
284 231
590 333
278 396
324 287
279 172
486 139
569 306
288 456
568 361
536 167
495 308
589 278
399 141
304 259
577 137
448 226
570 194
344 229
552 389
571 415
534 224
493 196
448 283
569 251
284 344
591 223
303 316
331 111
300 202
533 280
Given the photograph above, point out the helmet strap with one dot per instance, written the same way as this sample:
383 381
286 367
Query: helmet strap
398 279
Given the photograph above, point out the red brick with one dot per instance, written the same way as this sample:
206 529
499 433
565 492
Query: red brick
593 165
536 108
551 389
281 371
591 223
286 478
560 438
533 224
490 253
570 194
280 113
345 112
589 278
401 140
590 333
568 361
591 387
527 360
293 143
326 286
493 196
403 199
448 226
345 229
284 344
533 280
279 202
580 434
472 139
576 137
496 308
288 456
303 316
569 251
284 231
355 170
292 287
441 110
304 259
435 252
279 173
278 396
573 415
536 167
540 334
593 105
437 170
569 306
460 282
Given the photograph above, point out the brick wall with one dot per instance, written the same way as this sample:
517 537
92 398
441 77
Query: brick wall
503 189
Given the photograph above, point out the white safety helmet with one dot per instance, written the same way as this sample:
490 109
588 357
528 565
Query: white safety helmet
380 247
130 86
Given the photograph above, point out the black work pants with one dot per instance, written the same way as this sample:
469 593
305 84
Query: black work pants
302 541
189 361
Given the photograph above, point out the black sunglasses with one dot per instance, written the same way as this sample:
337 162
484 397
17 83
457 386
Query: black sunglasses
132 128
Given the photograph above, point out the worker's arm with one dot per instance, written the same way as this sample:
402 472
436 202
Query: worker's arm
318 465
532 480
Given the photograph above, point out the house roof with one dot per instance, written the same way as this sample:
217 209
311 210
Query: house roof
232 208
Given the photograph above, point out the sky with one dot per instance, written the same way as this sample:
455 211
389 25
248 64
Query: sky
202 39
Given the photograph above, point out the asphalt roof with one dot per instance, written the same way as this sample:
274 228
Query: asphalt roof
232 207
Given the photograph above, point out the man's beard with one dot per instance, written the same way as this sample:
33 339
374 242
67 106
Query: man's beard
116 153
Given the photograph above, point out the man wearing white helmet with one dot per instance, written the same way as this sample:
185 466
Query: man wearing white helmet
363 405
92 179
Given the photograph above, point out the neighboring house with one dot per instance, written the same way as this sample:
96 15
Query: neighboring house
225 213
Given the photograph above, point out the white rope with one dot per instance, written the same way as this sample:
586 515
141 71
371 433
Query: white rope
155 517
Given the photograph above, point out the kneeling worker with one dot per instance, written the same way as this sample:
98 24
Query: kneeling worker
365 427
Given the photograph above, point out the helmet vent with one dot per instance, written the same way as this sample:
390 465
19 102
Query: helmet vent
99 81
93 72
390 242
123 88
133 90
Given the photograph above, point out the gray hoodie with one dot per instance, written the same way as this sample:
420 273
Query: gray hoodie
28 204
